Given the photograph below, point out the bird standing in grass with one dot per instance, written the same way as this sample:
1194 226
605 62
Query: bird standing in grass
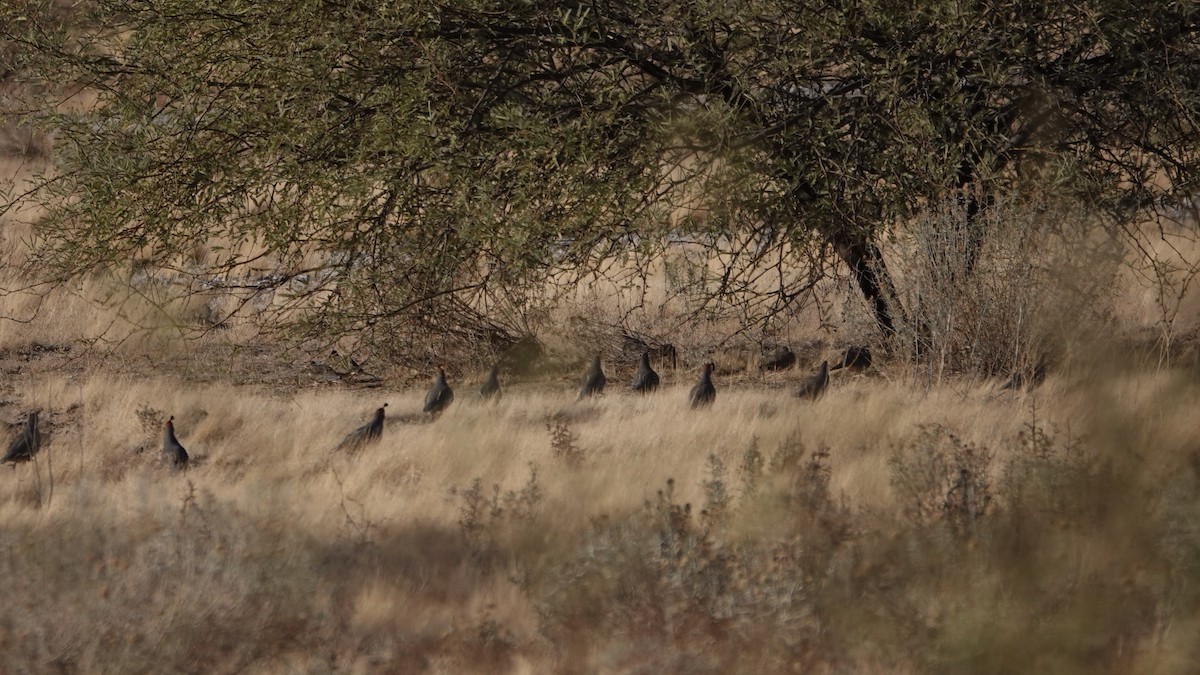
780 358
365 435
814 385
593 380
347 363
324 371
855 358
490 389
704 393
26 445
173 454
440 395
645 380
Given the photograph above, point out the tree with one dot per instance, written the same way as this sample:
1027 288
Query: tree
421 164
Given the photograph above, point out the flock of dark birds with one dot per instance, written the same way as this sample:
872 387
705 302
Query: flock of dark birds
440 396
645 381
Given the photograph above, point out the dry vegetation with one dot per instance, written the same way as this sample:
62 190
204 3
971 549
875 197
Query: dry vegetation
620 535
911 521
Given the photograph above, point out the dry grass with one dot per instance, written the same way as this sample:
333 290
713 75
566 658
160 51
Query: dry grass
274 555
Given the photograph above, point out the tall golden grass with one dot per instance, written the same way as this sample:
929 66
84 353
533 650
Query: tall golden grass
274 554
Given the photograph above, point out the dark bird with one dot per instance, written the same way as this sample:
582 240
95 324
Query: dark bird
593 380
440 395
665 352
814 385
781 358
365 435
490 389
173 454
26 445
347 364
324 371
645 380
704 393
855 358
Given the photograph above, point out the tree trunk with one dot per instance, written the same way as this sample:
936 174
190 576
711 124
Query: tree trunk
863 258
971 232
866 264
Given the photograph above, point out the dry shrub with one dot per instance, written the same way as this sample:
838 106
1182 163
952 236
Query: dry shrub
482 514
165 591
1031 571
688 588
564 443
1010 291
939 478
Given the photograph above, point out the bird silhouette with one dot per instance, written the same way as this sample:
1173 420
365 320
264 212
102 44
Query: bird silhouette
27 444
324 371
346 364
645 380
814 385
704 393
633 343
855 358
365 435
490 389
593 380
781 358
440 395
173 454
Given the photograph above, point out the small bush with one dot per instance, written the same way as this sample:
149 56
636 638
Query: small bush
942 479
564 444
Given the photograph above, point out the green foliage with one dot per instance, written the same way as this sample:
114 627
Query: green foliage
404 170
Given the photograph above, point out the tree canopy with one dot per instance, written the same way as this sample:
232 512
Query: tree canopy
420 163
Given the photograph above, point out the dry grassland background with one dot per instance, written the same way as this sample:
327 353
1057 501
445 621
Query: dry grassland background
910 521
